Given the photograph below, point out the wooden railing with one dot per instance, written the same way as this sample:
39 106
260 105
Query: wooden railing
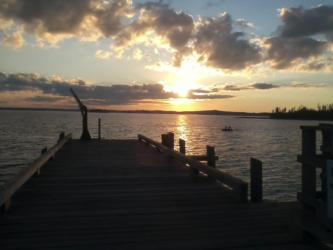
238 187
34 168
317 200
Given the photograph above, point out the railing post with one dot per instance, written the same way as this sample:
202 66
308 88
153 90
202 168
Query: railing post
256 180
327 142
243 194
308 171
99 128
211 161
164 139
171 140
42 152
182 146
61 136
329 183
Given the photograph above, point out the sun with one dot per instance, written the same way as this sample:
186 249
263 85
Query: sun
183 79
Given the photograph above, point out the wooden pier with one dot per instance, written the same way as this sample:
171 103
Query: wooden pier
138 194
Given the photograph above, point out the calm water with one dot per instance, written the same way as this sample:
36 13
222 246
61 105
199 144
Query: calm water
276 142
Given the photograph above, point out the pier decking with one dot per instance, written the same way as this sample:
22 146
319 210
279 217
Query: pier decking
124 194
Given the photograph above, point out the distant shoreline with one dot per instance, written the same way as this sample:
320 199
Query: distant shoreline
242 115
201 112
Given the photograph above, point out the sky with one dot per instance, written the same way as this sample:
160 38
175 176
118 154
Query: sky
232 55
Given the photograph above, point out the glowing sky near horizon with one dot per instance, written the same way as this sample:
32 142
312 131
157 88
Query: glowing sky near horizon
235 55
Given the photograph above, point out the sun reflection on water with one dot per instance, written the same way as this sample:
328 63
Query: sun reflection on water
182 129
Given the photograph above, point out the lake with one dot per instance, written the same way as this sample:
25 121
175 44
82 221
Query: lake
275 142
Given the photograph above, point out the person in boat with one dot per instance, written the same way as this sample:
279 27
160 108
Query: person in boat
227 128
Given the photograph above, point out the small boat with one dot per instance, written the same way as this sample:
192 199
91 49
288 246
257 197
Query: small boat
227 129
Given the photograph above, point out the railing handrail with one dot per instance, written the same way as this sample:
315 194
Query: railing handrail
14 184
237 185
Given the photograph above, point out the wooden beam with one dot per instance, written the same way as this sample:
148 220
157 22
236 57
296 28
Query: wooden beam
182 147
211 156
238 186
13 185
256 180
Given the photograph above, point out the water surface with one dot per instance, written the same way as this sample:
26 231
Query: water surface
276 142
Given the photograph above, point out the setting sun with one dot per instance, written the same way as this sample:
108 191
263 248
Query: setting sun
183 79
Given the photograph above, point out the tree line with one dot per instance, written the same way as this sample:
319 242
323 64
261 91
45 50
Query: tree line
322 112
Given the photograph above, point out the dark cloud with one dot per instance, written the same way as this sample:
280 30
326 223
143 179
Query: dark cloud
235 87
80 18
204 91
264 86
295 42
111 15
284 51
114 94
222 48
267 86
300 22
208 97
56 16
55 89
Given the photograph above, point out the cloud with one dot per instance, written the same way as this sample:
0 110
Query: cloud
300 22
207 94
55 89
295 42
103 54
235 87
267 86
243 24
174 28
208 97
222 48
213 40
54 20
14 40
264 86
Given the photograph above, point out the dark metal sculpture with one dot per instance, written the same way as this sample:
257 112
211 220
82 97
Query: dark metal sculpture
84 112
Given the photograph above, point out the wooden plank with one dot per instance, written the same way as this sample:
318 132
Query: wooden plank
121 194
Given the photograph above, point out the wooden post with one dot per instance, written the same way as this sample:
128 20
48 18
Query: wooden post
99 128
211 159
42 152
182 146
164 139
171 140
61 136
243 193
256 180
308 171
